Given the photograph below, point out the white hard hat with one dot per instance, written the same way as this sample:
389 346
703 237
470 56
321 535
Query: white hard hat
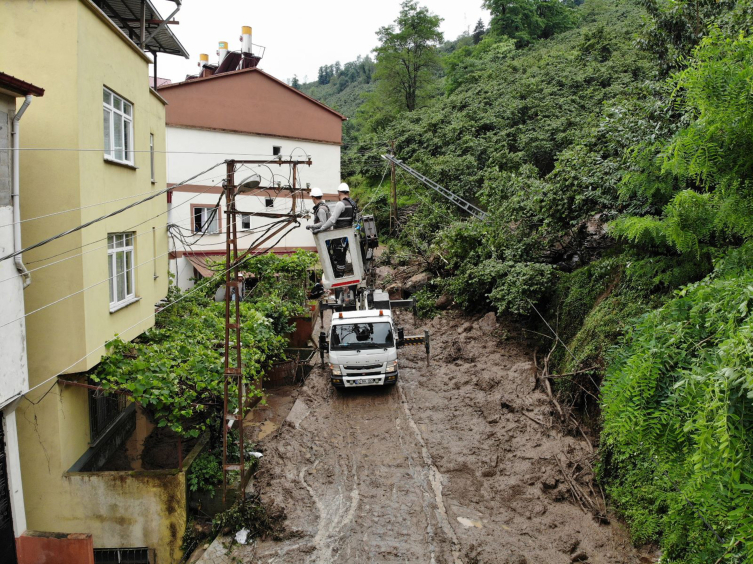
343 188
316 193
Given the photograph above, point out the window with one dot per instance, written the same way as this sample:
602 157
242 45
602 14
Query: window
120 257
205 220
118 124
104 410
245 221
123 556
151 154
276 150
362 335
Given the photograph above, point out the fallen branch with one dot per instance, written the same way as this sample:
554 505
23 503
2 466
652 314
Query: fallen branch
532 419
590 446
573 373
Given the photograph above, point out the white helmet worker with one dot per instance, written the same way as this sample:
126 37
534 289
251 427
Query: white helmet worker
316 193
344 188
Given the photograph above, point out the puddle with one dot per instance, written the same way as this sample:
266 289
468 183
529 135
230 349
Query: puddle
470 522
263 420
267 428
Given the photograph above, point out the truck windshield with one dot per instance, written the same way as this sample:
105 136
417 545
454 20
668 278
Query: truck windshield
362 336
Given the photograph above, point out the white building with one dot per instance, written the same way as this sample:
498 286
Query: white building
14 372
236 111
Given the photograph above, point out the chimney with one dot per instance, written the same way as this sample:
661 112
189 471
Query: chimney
246 40
222 51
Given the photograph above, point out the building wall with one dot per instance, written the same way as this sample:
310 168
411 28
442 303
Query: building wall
14 376
250 101
87 55
13 370
132 509
182 163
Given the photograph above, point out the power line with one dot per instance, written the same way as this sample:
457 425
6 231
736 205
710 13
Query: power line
83 290
15 276
92 222
105 238
161 309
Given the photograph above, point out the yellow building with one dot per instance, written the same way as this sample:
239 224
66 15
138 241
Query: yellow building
99 140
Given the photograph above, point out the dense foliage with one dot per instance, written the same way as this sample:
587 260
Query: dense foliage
677 412
610 143
176 369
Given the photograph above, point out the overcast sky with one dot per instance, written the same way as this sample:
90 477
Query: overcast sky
300 36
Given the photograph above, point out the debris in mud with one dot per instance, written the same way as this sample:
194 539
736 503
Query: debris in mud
456 463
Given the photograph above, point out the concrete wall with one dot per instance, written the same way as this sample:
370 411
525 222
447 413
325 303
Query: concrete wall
182 162
14 376
87 55
13 365
131 509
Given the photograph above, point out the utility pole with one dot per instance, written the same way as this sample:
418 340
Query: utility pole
393 190
233 360
233 365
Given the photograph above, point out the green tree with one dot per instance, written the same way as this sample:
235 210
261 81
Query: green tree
407 58
528 20
478 31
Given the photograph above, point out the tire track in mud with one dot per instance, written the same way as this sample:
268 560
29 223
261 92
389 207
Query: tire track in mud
445 468
435 479
375 495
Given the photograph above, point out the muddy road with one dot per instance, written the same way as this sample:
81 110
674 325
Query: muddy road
457 463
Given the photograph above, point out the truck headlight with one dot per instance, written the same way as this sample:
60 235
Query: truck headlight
335 368
391 366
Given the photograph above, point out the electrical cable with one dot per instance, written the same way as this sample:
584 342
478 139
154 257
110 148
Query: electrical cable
127 228
195 288
161 309
83 290
101 218
75 209
15 276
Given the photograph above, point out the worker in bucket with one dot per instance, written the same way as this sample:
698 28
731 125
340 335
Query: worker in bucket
342 216
321 210
344 213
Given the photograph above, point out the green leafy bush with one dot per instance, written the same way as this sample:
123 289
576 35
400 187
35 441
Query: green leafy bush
205 473
176 369
678 393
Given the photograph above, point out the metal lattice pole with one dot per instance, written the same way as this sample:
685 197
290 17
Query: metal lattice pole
233 365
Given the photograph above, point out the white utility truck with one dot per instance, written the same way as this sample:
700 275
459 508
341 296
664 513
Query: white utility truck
363 339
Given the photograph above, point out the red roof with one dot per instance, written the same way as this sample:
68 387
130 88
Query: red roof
18 86
253 69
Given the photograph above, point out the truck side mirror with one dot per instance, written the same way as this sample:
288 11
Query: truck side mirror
400 337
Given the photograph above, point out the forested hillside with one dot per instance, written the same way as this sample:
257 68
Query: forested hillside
610 143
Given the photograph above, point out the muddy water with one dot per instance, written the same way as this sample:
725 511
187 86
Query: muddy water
442 468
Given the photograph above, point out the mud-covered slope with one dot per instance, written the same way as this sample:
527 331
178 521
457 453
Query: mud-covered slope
445 467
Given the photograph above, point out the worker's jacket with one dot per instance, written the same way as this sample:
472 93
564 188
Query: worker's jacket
348 215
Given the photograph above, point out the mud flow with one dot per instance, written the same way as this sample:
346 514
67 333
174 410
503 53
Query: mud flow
457 463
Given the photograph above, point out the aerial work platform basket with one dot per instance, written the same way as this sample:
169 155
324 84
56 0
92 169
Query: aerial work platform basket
341 258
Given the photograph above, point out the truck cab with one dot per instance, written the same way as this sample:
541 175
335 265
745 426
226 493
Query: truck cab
362 349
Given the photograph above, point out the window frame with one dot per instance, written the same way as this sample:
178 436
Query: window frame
113 250
205 207
244 217
276 150
126 129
